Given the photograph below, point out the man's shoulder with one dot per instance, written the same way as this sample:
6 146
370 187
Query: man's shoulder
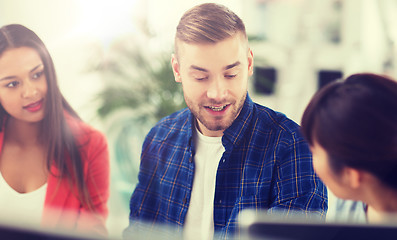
179 119
272 119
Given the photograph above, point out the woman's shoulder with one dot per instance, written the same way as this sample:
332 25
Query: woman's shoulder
84 132
347 211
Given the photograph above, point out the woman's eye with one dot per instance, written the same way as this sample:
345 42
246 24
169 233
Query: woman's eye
37 75
12 84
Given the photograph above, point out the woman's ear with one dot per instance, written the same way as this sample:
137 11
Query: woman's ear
353 177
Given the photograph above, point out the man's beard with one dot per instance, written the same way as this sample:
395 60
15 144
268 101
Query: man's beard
216 123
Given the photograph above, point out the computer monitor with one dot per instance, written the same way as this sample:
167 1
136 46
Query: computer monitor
14 232
259 225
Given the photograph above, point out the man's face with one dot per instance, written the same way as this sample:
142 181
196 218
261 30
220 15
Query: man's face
214 78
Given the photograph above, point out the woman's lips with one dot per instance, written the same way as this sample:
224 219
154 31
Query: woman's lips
34 107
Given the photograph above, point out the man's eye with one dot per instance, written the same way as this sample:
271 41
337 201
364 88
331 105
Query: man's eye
201 79
230 76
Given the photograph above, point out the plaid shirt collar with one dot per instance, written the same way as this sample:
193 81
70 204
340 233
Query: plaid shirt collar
235 133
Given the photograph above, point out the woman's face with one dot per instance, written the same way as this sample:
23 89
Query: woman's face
337 183
23 85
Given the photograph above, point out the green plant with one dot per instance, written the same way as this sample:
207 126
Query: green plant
134 80
139 90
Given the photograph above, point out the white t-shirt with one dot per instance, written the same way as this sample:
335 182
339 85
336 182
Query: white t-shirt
21 208
199 223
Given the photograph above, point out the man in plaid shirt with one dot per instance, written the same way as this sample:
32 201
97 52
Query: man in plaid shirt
224 153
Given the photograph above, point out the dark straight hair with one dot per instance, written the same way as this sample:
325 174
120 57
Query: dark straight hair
62 149
355 121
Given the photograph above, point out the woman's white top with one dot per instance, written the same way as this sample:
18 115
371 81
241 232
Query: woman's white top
199 222
21 208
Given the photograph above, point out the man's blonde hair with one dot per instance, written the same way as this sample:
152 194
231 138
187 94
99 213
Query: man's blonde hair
208 23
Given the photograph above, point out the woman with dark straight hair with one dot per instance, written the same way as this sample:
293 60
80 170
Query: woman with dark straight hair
54 169
351 127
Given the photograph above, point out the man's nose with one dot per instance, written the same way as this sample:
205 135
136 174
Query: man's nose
217 89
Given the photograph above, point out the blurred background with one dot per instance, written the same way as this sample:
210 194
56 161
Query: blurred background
113 61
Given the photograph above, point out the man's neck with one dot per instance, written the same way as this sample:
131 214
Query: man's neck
208 133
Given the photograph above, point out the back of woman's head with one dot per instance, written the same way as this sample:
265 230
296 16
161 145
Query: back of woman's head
355 121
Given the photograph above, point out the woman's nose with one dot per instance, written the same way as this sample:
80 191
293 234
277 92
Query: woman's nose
29 89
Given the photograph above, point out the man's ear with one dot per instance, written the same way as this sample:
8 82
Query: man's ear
250 62
175 68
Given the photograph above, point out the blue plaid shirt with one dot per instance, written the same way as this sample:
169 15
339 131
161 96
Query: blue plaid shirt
266 165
